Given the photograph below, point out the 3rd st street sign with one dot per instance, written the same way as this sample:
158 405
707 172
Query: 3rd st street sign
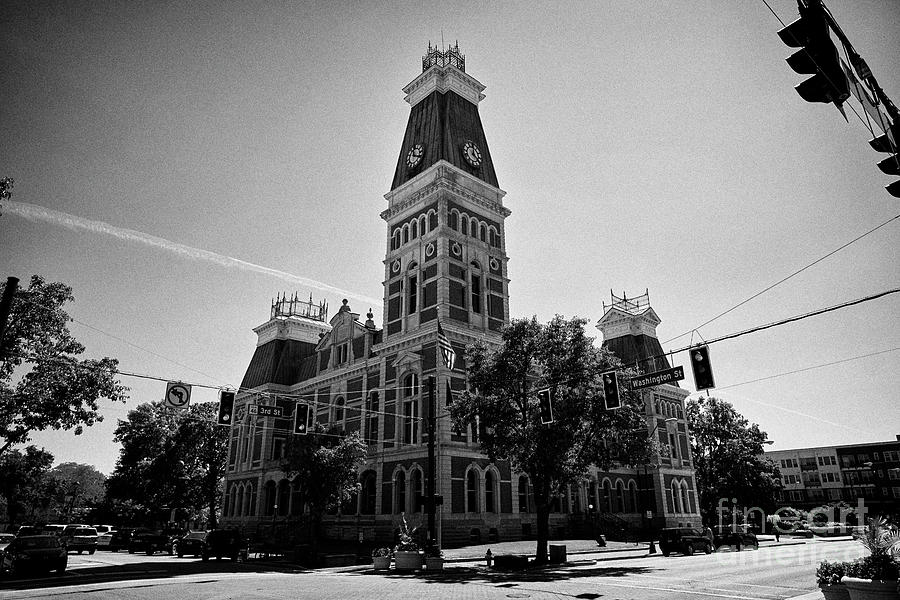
265 411
657 378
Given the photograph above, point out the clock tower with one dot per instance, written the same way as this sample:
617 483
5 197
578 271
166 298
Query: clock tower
446 258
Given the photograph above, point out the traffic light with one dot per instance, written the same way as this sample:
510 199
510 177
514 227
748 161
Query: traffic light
301 418
817 56
226 408
703 375
545 404
890 165
611 397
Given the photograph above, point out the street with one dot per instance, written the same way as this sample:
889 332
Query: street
773 572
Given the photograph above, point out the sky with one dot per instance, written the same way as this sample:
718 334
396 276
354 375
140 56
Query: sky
180 164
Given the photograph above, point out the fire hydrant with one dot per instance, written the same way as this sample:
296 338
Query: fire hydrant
489 558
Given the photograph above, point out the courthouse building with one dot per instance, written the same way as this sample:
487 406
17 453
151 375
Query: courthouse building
445 262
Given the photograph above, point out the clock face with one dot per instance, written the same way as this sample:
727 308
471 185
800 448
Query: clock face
414 156
472 154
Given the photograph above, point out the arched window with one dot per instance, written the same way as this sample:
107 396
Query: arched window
524 505
368 493
423 224
593 499
633 495
473 227
464 224
676 498
400 492
489 493
406 233
339 411
482 232
432 220
296 498
686 496
395 239
410 395
414 230
284 497
235 500
416 491
471 491
251 502
270 498
372 417
620 496
475 286
607 496
495 238
454 220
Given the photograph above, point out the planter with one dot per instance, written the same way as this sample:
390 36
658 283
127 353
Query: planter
408 560
866 589
434 563
837 591
382 563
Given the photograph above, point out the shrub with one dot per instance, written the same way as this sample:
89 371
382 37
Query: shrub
377 552
830 573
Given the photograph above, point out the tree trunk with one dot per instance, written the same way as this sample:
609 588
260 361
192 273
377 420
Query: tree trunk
543 532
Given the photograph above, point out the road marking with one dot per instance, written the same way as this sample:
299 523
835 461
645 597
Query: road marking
785 587
684 591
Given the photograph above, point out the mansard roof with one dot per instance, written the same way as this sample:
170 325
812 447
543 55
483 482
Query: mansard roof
277 361
640 350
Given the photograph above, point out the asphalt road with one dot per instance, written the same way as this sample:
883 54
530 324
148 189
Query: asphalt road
770 573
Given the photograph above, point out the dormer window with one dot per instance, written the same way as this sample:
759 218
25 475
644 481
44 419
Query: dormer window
342 353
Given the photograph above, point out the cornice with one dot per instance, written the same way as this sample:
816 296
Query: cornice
439 183
444 79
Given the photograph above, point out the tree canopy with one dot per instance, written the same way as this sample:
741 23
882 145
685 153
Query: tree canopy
43 383
21 476
728 459
324 464
169 459
504 382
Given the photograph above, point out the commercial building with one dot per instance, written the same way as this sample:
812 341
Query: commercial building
815 476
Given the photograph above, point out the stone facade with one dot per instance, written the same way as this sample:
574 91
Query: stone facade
446 263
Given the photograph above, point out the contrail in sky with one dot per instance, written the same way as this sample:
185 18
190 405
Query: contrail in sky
32 212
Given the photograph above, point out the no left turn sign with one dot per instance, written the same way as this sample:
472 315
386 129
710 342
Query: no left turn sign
178 395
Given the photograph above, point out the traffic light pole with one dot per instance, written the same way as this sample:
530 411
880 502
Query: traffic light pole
429 485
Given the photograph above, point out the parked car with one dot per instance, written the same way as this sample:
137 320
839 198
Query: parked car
191 543
54 528
29 530
80 538
224 542
5 539
686 540
104 538
34 553
101 529
739 536
120 539
150 541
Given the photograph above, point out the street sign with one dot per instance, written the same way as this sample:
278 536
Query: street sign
263 410
178 395
657 378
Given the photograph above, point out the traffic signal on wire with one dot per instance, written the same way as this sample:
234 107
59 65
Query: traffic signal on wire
545 405
887 142
703 374
301 418
817 56
611 391
226 408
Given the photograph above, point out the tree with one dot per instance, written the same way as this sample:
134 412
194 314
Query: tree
505 382
71 489
324 463
53 388
728 456
20 477
170 459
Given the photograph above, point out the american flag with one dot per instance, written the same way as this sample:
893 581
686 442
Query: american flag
447 350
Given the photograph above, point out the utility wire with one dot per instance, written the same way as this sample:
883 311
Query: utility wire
782 280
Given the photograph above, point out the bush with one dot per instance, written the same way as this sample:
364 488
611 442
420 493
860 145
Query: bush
381 552
877 567
830 573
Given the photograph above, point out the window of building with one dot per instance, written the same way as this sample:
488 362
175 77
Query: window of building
523 494
416 491
410 394
339 411
368 493
342 353
413 292
476 291
372 417
278 448
471 491
400 493
489 493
